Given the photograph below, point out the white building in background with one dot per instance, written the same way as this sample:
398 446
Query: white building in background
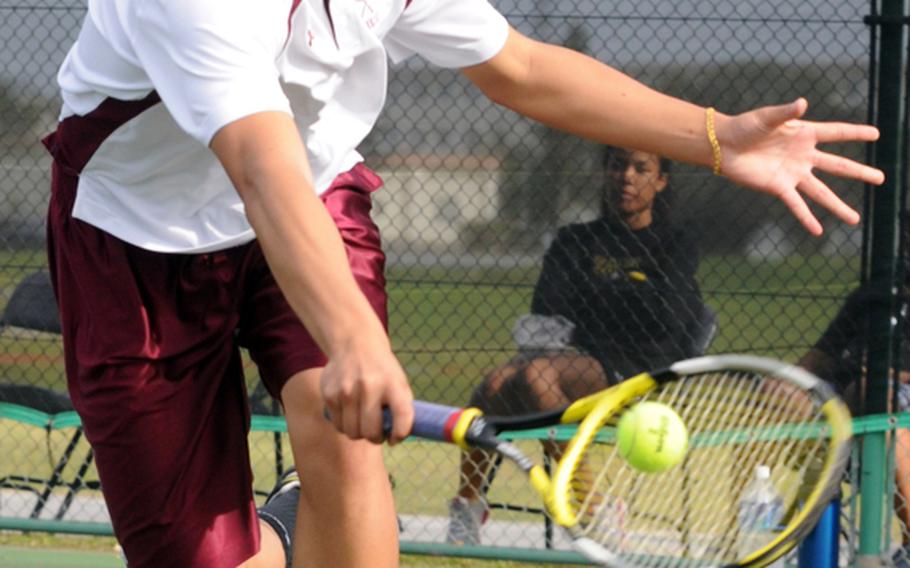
428 201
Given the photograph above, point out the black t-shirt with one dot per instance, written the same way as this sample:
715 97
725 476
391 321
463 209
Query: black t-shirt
632 295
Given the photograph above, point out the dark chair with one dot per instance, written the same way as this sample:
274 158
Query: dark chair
33 307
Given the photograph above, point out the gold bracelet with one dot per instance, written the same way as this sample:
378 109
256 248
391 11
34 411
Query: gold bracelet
712 139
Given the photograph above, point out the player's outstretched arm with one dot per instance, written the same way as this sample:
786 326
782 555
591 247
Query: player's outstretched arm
265 159
770 149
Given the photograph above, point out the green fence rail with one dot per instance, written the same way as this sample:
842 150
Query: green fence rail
863 428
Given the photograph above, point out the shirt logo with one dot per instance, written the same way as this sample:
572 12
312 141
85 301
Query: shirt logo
368 14
615 269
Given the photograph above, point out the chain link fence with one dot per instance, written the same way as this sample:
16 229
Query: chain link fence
475 199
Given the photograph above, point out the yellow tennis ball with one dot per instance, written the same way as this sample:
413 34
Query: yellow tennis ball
652 437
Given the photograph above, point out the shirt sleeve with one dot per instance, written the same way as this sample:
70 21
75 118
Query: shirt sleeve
448 33
211 62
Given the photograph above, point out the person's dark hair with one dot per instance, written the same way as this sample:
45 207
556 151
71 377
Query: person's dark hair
663 201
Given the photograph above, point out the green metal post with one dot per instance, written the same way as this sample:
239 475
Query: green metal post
882 274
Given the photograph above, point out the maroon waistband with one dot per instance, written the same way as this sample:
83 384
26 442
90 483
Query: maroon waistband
359 177
77 138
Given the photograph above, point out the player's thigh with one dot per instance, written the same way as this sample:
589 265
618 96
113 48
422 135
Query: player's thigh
578 375
488 394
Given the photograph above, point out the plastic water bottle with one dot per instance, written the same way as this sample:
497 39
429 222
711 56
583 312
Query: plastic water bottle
760 511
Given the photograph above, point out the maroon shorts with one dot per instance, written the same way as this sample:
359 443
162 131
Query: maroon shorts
152 344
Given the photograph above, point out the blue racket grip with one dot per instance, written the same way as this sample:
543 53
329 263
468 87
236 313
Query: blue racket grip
431 421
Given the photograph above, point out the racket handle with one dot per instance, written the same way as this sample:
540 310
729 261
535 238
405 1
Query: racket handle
431 421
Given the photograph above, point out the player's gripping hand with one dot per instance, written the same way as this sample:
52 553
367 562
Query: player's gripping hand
361 379
772 150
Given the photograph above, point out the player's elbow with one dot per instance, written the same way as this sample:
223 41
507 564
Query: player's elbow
261 152
250 176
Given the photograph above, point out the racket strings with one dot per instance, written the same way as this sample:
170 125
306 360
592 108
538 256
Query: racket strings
690 400
716 403
772 409
712 406
736 421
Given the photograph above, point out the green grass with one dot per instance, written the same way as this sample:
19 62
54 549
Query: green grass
449 326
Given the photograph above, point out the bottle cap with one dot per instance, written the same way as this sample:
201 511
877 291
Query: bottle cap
763 472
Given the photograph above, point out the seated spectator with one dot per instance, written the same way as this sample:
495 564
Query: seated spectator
615 296
839 357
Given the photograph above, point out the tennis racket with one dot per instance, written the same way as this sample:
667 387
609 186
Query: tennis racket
741 412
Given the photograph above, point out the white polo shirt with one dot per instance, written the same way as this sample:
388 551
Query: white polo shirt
153 181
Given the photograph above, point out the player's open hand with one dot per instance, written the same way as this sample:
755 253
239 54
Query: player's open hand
358 383
772 150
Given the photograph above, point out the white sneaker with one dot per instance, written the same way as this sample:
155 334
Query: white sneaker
466 516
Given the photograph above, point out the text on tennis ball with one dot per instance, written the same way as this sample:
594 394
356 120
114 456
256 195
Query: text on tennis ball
652 437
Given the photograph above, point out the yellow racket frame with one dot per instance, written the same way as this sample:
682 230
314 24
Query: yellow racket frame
597 409
591 413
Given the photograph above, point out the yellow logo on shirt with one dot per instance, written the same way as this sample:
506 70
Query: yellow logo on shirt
607 267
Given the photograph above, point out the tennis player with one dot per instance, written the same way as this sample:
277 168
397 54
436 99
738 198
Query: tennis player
207 195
